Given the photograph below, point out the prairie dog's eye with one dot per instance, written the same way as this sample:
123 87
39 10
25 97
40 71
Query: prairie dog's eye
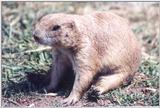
56 27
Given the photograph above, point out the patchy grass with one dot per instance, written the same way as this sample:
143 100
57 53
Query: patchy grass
25 64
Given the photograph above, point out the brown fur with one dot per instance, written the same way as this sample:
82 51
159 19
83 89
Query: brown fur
99 43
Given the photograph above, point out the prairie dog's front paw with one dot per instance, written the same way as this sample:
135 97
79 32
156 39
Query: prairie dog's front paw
71 100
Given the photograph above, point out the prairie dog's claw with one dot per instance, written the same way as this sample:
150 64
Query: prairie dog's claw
71 100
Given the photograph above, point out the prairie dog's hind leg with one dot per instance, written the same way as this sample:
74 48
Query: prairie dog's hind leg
112 81
59 67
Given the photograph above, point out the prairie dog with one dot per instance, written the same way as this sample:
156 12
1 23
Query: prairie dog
100 43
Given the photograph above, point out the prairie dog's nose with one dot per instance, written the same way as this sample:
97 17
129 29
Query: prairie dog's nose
35 35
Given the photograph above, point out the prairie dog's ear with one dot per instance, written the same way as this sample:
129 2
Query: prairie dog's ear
69 25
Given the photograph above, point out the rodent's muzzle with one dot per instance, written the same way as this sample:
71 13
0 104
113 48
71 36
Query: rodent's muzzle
35 35
41 38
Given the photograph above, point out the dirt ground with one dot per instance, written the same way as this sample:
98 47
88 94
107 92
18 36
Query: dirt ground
20 88
40 99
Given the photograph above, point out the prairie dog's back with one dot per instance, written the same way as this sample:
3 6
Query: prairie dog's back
112 38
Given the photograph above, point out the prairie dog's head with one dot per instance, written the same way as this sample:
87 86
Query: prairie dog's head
55 30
